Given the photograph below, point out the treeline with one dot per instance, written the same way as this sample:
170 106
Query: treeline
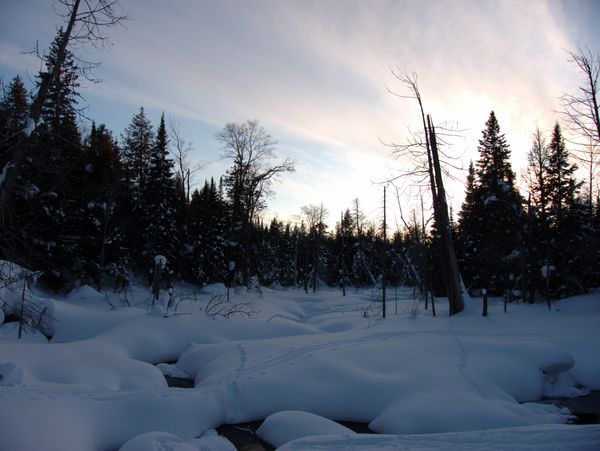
92 208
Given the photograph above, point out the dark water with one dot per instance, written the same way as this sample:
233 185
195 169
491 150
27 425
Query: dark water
586 409
244 437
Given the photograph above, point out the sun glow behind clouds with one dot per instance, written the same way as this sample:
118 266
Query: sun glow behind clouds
315 74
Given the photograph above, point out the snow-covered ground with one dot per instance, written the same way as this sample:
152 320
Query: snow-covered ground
299 360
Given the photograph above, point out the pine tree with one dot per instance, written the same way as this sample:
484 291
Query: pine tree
493 216
158 208
136 144
104 246
206 236
49 200
15 108
467 235
565 218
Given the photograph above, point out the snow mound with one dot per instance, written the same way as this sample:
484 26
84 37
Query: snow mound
530 438
172 371
166 441
84 293
442 410
283 427
11 331
10 374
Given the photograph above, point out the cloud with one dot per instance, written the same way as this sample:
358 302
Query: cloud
315 74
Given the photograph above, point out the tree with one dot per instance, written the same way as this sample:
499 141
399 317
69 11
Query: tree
250 177
315 218
564 216
208 220
497 213
536 233
180 152
106 196
136 146
158 204
50 189
468 233
581 113
14 110
424 150
84 25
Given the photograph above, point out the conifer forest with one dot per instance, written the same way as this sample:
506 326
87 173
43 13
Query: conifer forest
248 224
91 207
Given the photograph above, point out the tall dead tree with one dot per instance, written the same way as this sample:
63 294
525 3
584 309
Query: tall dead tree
581 112
85 23
450 264
428 168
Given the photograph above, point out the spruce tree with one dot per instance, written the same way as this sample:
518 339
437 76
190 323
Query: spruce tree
565 218
136 144
15 108
206 235
494 216
158 208
49 200
467 235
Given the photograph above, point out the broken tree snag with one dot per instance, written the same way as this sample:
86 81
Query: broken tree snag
448 255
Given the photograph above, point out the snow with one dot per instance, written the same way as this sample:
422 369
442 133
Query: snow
166 441
5 170
29 127
160 261
530 438
283 427
300 362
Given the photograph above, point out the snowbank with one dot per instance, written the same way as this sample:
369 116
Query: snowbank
166 441
531 438
283 427
99 382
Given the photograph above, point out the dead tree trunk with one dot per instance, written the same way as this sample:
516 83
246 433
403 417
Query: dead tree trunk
23 147
452 275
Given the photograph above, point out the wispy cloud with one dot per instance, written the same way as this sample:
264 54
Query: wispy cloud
315 73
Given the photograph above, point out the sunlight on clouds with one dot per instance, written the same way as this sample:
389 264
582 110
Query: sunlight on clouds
316 75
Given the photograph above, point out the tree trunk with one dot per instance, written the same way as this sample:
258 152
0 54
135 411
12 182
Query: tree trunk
452 278
23 148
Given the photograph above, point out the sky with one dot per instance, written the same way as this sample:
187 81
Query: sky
318 75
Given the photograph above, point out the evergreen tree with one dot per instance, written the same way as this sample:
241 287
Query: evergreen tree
136 145
105 250
493 216
49 200
467 236
15 107
565 218
158 209
206 236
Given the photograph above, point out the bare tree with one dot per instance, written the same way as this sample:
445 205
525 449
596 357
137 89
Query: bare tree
252 150
315 217
536 173
86 22
424 150
250 177
581 112
180 151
